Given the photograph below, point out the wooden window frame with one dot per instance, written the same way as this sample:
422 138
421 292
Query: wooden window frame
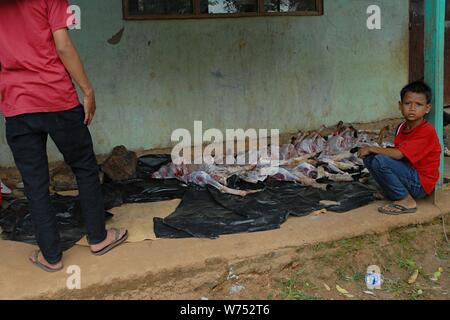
198 15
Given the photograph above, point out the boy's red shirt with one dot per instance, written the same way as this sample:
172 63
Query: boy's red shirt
421 147
32 76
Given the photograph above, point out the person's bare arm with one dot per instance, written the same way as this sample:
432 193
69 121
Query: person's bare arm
71 60
390 152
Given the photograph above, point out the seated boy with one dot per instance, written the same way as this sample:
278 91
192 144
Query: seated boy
410 170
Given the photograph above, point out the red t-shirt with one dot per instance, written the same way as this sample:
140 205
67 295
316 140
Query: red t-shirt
422 149
32 76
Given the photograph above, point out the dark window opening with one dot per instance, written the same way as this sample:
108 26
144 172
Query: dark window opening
173 9
160 7
290 5
228 6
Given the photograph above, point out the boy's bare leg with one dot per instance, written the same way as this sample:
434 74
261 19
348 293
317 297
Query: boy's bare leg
407 202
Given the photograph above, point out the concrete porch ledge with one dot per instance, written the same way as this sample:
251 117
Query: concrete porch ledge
154 259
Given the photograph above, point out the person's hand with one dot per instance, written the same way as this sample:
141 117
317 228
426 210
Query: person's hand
364 152
89 108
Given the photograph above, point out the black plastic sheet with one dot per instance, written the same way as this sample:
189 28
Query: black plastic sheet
208 213
349 195
17 225
140 190
198 215
151 163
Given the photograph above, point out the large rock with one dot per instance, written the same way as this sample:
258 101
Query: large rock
121 164
63 179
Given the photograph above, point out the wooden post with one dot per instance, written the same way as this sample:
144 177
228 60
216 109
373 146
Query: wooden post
434 66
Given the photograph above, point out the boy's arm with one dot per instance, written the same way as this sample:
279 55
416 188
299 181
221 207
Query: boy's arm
390 152
71 60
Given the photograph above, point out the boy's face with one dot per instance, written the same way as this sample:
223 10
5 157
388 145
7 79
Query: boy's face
414 106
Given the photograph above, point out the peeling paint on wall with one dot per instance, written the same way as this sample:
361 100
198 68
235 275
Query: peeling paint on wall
217 73
115 39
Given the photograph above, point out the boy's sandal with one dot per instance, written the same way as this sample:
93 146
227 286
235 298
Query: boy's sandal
398 209
117 241
37 263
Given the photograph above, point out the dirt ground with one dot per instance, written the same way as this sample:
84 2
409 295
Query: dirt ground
314 272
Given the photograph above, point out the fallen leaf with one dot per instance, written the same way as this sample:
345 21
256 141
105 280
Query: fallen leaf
341 290
344 292
413 277
327 287
369 292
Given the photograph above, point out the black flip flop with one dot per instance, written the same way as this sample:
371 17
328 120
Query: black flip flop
117 241
40 265
402 210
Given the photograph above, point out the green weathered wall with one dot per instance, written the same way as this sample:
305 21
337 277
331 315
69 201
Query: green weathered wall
275 72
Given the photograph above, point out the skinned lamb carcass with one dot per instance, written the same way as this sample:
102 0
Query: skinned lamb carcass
201 178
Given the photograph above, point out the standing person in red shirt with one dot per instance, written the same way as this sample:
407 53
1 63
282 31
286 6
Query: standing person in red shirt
37 98
410 170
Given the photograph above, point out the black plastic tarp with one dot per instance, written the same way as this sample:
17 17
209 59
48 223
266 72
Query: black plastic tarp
140 190
208 213
151 163
17 225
